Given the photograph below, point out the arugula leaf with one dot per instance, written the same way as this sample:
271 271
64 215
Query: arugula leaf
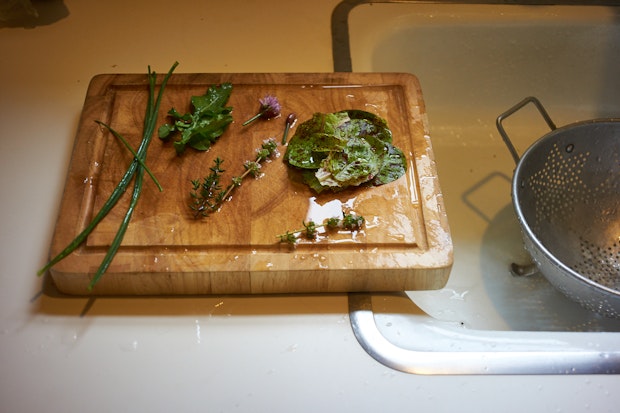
205 124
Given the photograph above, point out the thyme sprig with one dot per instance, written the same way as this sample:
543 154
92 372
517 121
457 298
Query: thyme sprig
207 195
310 230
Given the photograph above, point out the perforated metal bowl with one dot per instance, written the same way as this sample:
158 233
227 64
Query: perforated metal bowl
566 194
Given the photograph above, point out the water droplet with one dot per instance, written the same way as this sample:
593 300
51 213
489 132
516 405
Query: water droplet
198 335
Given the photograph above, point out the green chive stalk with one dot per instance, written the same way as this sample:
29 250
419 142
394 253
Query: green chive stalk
150 120
133 152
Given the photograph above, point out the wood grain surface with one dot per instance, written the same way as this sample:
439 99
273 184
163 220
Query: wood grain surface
405 245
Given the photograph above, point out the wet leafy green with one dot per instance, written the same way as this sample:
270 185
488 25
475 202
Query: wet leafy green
207 122
342 149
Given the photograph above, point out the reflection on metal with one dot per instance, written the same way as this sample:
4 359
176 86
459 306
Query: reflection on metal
545 360
341 51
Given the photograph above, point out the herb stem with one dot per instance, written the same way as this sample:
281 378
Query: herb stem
228 191
253 118
237 181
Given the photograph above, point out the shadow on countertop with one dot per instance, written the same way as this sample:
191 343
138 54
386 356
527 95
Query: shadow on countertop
29 14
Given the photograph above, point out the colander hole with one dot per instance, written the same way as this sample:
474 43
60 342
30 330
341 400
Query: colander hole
600 264
570 147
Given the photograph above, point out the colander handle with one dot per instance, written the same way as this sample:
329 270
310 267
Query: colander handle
512 110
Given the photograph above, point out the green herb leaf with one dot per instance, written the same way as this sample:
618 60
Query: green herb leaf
207 122
165 130
310 230
342 149
393 166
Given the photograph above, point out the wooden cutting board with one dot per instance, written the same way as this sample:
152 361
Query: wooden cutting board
405 244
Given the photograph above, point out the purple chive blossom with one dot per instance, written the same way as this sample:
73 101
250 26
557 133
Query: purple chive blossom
269 108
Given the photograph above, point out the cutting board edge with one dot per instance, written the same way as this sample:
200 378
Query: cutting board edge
245 283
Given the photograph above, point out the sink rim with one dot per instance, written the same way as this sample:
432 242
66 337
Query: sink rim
501 361
341 51
543 361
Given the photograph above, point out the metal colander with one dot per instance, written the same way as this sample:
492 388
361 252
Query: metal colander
566 194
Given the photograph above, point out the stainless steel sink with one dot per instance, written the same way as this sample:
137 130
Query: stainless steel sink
474 61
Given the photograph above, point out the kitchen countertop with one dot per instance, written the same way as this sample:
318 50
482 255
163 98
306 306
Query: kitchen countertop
214 353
